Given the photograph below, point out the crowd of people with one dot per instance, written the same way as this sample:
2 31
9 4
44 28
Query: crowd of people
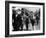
22 17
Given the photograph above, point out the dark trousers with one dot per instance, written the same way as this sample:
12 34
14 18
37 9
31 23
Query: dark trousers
37 22
32 24
27 26
21 26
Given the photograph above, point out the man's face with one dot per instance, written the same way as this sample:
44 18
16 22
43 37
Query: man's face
19 12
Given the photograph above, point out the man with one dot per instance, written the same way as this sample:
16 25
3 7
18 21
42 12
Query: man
22 13
32 20
15 20
37 19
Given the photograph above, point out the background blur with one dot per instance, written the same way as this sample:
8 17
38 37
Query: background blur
2 19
